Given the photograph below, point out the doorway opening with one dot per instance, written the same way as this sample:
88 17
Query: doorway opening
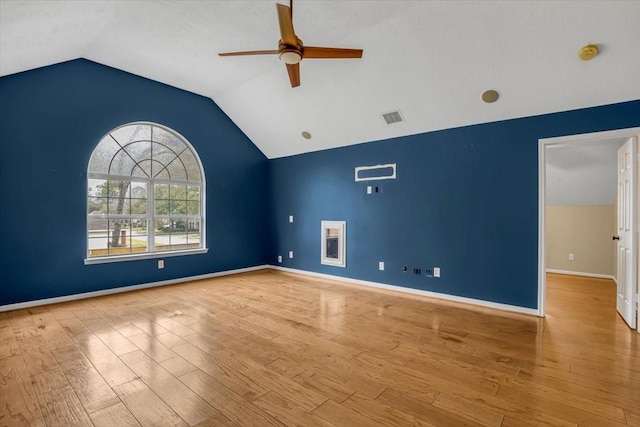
582 140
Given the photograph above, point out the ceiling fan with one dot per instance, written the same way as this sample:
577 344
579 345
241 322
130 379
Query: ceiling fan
291 50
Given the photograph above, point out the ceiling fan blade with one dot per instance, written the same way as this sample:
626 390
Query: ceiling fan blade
294 74
314 52
250 52
287 35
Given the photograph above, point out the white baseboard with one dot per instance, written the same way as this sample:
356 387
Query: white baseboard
437 295
454 298
66 298
582 273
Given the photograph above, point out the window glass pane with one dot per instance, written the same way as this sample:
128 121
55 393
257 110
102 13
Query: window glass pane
178 207
163 234
179 234
193 233
168 140
97 226
193 207
161 207
146 153
139 150
169 162
102 155
138 190
119 240
128 134
143 169
98 236
97 187
161 191
191 166
118 197
163 174
138 206
178 192
118 188
139 236
122 164
96 206
162 156
193 192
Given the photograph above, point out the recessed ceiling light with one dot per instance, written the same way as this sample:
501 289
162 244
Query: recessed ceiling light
306 135
588 52
490 96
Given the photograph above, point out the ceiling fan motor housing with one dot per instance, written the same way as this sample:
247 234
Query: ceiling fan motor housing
290 54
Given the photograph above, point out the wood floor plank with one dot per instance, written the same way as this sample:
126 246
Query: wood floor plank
345 415
115 415
177 366
70 358
117 343
112 369
218 420
8 343
241 383
411 403
174 393
566 407
62 408
92 390
152 347
146 406
232 405
18 402
270 348
51 331
325 386
288 412
37 355
49 380
471 411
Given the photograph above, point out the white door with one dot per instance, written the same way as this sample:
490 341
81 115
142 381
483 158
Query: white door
627 260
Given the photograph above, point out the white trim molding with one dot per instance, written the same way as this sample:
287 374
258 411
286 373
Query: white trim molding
391 166
582 274
543 143
436 295
67 298
340 260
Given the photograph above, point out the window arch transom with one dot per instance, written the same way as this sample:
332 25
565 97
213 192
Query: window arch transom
145 195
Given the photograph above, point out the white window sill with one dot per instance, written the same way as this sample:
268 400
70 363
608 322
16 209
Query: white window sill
148 255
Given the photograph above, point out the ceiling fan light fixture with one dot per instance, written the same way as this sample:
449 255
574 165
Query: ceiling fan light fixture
290 56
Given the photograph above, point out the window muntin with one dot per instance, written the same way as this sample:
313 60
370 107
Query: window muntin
145 194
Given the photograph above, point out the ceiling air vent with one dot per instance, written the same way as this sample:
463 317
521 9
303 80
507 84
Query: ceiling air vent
393 117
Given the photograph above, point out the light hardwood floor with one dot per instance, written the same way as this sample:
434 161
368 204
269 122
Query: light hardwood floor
269 348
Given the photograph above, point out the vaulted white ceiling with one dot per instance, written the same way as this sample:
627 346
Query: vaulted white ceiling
430 59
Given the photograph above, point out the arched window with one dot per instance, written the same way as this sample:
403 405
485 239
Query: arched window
145 195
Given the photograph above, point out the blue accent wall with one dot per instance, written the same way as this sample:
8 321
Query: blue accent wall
50 121
465 200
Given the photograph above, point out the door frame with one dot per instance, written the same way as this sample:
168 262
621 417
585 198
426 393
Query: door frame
542 145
